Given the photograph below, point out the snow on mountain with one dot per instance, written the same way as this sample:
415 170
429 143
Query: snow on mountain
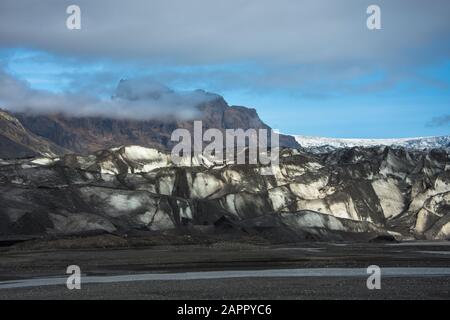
419 143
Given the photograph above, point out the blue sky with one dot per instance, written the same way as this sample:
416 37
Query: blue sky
318 72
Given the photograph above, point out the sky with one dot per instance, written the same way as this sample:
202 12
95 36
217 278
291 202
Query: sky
309 67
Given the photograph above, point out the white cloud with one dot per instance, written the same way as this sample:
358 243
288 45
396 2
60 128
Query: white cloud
205 31
137 99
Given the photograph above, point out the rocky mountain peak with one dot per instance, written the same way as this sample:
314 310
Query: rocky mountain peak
87 134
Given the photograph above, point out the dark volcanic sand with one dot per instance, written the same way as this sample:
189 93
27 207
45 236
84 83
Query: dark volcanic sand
20 264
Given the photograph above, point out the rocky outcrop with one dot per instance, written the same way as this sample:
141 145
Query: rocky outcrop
358 193
18 142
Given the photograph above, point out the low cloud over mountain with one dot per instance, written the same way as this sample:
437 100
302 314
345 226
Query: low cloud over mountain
136 99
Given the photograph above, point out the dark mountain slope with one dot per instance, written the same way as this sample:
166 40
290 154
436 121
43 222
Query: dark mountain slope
89 134
18 142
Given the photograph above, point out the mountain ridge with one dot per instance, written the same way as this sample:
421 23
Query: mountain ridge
16 141
64 134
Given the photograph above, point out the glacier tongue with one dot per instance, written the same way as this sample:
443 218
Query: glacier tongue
343 194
